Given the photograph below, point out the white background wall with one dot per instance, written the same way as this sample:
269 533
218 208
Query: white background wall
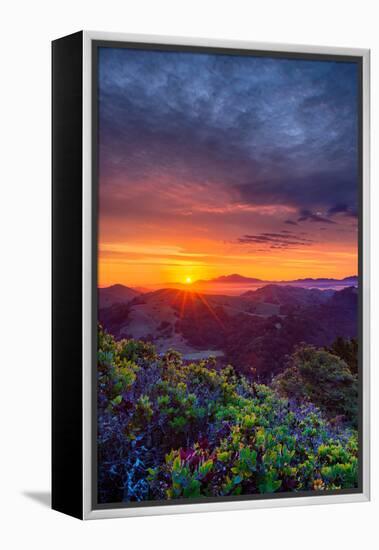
26 31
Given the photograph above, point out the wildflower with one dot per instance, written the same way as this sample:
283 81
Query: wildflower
318 485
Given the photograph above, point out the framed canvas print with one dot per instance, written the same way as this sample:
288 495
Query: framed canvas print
210 275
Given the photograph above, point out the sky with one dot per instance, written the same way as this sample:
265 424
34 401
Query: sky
218 164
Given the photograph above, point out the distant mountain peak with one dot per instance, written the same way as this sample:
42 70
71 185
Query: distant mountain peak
235 278
116 286
116 293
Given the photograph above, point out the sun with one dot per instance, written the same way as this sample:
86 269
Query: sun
188 280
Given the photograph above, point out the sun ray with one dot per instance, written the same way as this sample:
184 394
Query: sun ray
211 310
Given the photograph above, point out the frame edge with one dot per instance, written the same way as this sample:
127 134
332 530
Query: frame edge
364 496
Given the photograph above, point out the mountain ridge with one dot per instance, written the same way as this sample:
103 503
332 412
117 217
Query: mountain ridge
236 278
108 296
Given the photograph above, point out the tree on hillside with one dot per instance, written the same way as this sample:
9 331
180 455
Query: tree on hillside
346 350
318 376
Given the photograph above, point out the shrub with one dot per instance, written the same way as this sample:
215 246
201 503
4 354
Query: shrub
168 429
322 378
346 350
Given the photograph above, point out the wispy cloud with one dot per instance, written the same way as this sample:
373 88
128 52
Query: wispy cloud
276 240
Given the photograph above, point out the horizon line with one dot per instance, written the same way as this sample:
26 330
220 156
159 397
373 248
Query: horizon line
215 281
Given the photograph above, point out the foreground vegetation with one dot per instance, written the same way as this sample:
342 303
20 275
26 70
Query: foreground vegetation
171 429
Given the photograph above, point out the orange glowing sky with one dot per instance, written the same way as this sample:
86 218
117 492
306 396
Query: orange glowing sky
211 165
170 238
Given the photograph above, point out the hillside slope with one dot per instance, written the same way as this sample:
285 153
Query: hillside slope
254 331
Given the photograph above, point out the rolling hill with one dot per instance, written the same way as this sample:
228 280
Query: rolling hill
255 330
116 294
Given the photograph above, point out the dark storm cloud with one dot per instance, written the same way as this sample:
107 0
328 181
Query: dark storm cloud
318 189
274 131
343 209
307 215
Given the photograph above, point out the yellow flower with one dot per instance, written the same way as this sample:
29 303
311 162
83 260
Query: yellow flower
318 485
